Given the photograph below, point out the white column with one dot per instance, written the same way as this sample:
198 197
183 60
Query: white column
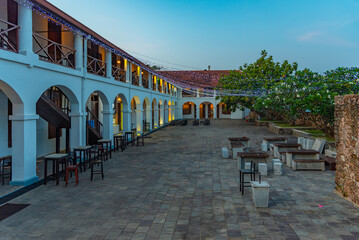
197 92
77 130
197 112
25 31
78 45
128 72
214 111
139 121
23 149
108 60
156 84
149 117
85 56
155 116
161 116
205 110
126 120
150 81
108 124
139 77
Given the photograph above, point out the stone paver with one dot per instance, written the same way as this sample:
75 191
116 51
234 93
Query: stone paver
178 187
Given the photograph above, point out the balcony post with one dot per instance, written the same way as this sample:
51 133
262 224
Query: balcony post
139 71
180 91
128 72
150 83
25 31
85 55
79 54
156 89
197 92
108 60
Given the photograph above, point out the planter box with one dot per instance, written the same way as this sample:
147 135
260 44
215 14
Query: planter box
260 193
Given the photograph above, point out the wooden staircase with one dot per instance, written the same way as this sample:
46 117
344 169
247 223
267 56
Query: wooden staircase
93 128
55 115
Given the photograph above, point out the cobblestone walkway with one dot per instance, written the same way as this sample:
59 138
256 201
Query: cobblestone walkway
178 187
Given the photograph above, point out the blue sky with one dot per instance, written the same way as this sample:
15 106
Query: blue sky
318 34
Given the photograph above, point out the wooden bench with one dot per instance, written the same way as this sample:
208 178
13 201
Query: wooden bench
308 164
288 156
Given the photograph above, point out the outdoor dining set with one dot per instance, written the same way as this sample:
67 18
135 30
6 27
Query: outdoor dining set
90 157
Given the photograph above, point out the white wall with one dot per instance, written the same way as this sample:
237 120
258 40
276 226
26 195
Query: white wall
44 145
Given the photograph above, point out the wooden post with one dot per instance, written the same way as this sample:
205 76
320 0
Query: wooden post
67 140
58 132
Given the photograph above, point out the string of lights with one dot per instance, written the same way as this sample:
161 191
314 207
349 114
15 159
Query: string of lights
206 90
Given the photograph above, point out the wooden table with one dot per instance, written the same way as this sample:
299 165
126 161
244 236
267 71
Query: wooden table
106 142
256 157
86 152
119 141
272 140
56 159
281 147
132 134
243 140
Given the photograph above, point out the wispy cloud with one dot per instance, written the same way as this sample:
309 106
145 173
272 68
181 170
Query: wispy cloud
325 38
309 37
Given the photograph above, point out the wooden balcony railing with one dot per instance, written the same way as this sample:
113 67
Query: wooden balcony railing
9 37
53 52
96 66
159 88
188 94
144 82
135 80
119 74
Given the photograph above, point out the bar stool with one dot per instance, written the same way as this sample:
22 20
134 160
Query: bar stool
242 172
140 139
72 168
97 162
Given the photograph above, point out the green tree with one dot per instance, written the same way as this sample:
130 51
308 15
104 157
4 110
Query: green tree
252 79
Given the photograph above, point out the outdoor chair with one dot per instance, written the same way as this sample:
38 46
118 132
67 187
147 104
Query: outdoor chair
6 163
70 169
97 162
206 122
195 123
243 172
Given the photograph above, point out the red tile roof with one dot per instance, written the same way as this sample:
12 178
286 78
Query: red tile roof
197 79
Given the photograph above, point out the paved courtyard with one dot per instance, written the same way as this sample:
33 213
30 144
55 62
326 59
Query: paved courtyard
178 187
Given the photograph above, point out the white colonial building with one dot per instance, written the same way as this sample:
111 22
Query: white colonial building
62 86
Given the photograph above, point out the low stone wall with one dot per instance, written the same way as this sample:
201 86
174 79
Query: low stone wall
262 123
280 130
347 142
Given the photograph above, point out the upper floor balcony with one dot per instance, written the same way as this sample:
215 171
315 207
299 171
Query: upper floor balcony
54 42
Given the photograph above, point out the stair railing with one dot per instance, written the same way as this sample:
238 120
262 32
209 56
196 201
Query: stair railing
93 121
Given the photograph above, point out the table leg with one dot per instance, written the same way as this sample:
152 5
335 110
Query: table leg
45 172
57 172
84 153
110 150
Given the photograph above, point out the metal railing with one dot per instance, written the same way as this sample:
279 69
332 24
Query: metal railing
54 52
96 66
